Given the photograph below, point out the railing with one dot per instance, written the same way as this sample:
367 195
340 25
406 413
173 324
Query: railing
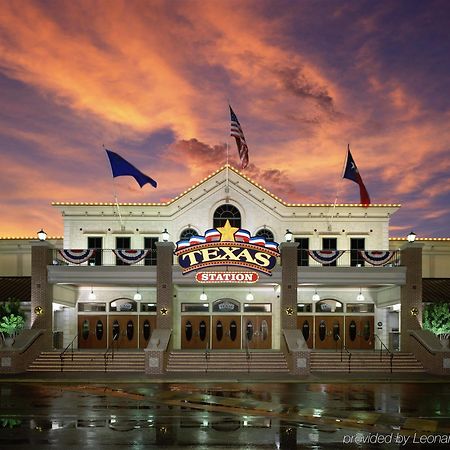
110 350
348 258
206 356
62 354
344 347
391 355
247 354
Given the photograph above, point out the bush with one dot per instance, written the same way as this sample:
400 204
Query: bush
11 325
11 306
436 318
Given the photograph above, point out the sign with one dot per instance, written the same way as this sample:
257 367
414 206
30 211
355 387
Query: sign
227 277
227 246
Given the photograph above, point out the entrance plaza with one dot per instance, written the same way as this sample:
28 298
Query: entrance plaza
203 413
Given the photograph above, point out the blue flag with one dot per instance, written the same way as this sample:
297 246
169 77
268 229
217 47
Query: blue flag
121 167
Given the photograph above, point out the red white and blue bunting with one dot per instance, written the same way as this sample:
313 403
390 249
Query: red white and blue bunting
131 256
377 257
77 256
325 256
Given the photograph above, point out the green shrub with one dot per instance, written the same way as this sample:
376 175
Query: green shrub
11 325
436 318
11 306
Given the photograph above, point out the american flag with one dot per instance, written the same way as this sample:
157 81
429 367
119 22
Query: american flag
237 132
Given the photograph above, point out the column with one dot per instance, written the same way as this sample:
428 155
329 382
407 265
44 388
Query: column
411 293
289 282
41 291
164 284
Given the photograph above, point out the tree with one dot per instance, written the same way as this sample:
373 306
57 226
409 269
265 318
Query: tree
11 306
436 318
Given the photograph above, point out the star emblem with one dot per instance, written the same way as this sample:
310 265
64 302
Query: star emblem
163 311
227 232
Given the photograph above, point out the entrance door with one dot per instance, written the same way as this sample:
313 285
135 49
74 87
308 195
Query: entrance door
92 331
359 332
195 332
328 329
226 332
306 325
258 332
124 329
147 325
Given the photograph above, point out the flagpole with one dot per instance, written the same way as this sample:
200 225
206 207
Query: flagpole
116 202
227 189
337 193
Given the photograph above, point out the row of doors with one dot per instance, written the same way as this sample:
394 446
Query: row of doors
357 332
226 332
128 331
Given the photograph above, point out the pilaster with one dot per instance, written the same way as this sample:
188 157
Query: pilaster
164 284
289 280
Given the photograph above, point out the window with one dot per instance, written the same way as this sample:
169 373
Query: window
187 233
329 305
122 243
302 251
304 307
329 244
265 233
356 245
95 242
150 244
224 213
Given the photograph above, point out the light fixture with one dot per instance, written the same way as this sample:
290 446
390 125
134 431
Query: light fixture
203 296
42 235
360 297
411 236
92 295
249 297
316 296
137 296
288 236
165 235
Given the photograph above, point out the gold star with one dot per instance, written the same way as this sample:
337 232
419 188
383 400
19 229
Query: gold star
227 232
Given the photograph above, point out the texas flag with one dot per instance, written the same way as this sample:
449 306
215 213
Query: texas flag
351 172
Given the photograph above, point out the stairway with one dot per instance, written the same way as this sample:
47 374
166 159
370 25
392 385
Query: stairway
365 361
89 361
227 361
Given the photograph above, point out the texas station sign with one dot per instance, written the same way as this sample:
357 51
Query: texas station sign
227 246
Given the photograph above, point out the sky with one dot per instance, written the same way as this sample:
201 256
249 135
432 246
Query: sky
151 80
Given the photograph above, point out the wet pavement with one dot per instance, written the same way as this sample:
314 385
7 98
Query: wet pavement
224 415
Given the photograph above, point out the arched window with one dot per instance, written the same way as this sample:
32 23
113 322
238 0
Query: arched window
187 233
224 213
265 233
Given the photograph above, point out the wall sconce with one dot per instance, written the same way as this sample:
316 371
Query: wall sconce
42 235
288 236
360 297
316 296
137 296
92 295
411 237
165 235
203 296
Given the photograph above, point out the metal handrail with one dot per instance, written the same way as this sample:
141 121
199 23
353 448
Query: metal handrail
206 356
344 347
61 355
391 354
247 354
110 349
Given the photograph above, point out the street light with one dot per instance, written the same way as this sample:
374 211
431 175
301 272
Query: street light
42 235
411 236
137 296
288 236
249 297
316 296
203 296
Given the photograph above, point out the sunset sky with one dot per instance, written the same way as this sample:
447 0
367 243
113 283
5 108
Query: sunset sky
151 80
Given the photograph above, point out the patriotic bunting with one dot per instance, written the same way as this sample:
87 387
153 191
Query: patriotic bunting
325 256
77 256
377 257
131 256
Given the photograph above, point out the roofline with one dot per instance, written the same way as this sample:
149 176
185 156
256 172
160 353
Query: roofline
30 238
352 205
421 239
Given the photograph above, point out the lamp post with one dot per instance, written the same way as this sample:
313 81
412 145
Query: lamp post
288 236
165 235
42 235
411 237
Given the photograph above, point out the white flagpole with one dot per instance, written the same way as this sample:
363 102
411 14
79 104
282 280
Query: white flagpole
116 202
337 193
227 177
